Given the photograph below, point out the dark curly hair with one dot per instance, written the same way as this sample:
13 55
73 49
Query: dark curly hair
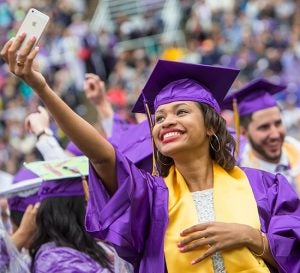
16 217
61 220
223 156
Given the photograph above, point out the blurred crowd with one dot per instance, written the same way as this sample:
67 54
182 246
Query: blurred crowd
261 37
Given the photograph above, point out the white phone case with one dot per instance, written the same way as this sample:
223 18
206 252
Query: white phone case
34 24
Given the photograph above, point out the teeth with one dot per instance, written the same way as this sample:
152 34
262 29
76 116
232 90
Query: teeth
171 134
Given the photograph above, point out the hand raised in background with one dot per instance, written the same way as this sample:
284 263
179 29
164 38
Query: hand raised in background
95 92
94 89
38 121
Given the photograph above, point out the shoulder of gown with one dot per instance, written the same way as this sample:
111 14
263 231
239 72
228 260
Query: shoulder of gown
279 212
52 259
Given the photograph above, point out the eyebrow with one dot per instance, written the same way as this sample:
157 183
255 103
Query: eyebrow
173 107
269 123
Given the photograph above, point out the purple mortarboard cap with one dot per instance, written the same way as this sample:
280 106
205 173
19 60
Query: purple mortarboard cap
255 96
176 81
61 188
19 203
73 149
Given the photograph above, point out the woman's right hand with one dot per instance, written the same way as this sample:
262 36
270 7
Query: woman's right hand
22 63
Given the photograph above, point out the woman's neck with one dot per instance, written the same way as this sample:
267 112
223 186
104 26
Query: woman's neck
198 173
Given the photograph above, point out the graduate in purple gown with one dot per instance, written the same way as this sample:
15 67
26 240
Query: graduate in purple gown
250 221
14 255
60 243
268 147
18 204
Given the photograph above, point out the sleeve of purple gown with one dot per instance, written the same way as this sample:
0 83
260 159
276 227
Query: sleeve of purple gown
279 209
119 126
52 259
11 259
4 258
124 218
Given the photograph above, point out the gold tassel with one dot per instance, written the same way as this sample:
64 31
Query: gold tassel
236 117
154 166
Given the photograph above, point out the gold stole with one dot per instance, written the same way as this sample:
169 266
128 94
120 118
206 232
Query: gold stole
234 202
293 156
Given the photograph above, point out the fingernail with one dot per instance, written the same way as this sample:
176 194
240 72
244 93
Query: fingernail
32 38
193 262
181 249
22 34
37 48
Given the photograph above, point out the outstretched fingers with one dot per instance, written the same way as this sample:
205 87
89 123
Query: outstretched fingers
19 62
4 50
12 52
28 66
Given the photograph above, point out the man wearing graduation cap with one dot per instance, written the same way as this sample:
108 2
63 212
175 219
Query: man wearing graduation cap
268 147
153 221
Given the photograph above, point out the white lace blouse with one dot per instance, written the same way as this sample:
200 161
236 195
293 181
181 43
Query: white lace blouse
205 210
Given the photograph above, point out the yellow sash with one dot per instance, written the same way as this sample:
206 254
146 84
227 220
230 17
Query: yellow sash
234 202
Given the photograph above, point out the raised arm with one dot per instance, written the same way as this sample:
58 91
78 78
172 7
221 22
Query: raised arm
38 124
95 92
85 136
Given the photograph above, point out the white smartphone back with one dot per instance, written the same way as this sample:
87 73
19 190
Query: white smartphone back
34 24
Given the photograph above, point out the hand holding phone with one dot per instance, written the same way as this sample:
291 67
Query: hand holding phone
34 24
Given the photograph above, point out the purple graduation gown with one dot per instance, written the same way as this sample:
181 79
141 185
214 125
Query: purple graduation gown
136 144
11 260
135 218
4 258
52 259
133 140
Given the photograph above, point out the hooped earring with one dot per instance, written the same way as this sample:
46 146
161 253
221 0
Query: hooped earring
170 162
218 148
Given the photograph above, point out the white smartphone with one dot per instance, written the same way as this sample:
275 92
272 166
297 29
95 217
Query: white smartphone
34 24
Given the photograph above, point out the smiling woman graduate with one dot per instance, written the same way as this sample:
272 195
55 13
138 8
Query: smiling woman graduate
203 214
